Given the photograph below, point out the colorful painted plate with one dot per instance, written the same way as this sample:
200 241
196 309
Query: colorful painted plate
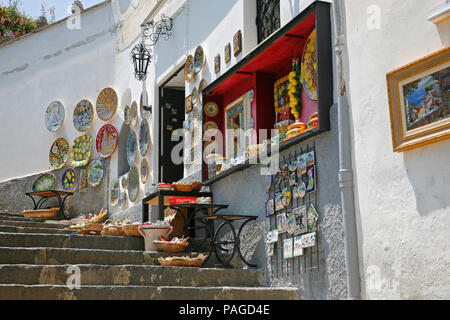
309 66
277 178
69 179
144 113
83 115
126 115
194 95
44 182
301 189
199 59
122 200
95 173
286 197
115 192
124 181
81 151
144 171
107 140
293 165
133 113
107 104
54 116
131 148
203 84
209 125
211 109
59 153
189 68
144 137
133 183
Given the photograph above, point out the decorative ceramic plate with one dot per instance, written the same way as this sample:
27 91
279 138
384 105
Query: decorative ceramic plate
44 182
199 59
194 95
107 140
211 109
144 171
69 179
133 113
126 115
83 115
115 192
209 125
122 200
144 113
107 104
189 68
81 151
124 181
309 66
277 178
292 165
133 183
188 105
203 84
144 137
59 153
286 197
301 189
195 113
54 116
95 173
131 148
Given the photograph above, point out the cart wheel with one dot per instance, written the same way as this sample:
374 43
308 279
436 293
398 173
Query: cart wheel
225 243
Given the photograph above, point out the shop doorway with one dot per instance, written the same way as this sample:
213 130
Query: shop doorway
171 117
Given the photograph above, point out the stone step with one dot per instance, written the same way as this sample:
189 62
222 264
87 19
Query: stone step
70 241
62 292
14 217
34 224
134 275
17 229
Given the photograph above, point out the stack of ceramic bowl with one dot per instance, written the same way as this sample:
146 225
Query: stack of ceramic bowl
295 129
313 121
164 186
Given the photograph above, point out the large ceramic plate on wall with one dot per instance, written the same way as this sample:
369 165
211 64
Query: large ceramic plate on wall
59 153
68 179
133 183
309 66
107 140
83 115
144 137
54 116
107 104
131 148
95 173
81 151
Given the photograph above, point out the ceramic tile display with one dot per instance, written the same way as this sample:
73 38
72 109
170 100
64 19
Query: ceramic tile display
290 226
81 151
309 67
131 148
189 68
199 59
115 192
68 179
301 165
133 183
281 223
272 236
133 114
83 115
145 171
312 218
95 173
54 116
310 179
106 104
288 249
59 153
83 184
107 140
298 249
44 182
308 240
144 137
300 216
270 207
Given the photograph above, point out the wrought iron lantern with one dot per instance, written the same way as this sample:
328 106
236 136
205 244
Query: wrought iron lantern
154 30
141 56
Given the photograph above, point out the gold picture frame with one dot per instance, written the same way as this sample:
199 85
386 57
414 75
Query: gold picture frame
419 101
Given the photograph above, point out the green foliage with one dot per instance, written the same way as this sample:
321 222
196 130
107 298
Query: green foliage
11 19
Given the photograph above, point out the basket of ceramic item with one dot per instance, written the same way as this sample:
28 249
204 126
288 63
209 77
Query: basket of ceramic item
172 247
112 229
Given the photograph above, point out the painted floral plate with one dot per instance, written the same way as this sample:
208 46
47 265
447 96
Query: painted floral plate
54 116
131 148
203 84
144 137
44 182
124 181
194 95
122 200
115 192
68 179
133 183
309 66
133 113
59 153
144 170
189 68
95 173
83 115
107 104
199 59
211 109
107 140
81 151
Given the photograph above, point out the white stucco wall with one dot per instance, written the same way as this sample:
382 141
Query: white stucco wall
403 199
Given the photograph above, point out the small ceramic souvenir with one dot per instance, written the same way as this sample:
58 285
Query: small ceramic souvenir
68 179
95 173
131 148
188 104
237 43
301 165
133 183
301 189
290 222
298 249
272 236
292 165
292 179
277 178
83 184
199 59
268 182
59 153
54 116
133 114
144 137
308 240
311 179
44 182
122 200
281 223
270 207
310 159
312 218
83 115
286 197
144 170
189 68
301 224
194 95
107 140
288 248
279 201
211 109
81 151
107 104
284 174
115 192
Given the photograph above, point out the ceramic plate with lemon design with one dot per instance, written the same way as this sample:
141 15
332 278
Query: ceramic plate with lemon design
68 180
59 153
81 151
309 66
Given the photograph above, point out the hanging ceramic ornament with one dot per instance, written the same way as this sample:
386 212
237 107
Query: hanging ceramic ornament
81 151
292 165
292 179
133 183
281 223
131 148
310 179
312 218
301 165
144 137
144 171
199 59
286 197
126 115
83 184
270 207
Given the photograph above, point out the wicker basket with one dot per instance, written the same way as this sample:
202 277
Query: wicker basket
196 186
170 246
182 187
101 217
41 213
131 230
115 231
188 262
95 226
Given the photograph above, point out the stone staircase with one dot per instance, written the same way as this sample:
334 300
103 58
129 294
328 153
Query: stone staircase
39 260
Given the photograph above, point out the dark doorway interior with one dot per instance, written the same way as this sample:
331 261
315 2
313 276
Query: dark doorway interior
171 101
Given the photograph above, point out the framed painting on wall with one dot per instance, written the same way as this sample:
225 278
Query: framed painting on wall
227 52
237 43
419 101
